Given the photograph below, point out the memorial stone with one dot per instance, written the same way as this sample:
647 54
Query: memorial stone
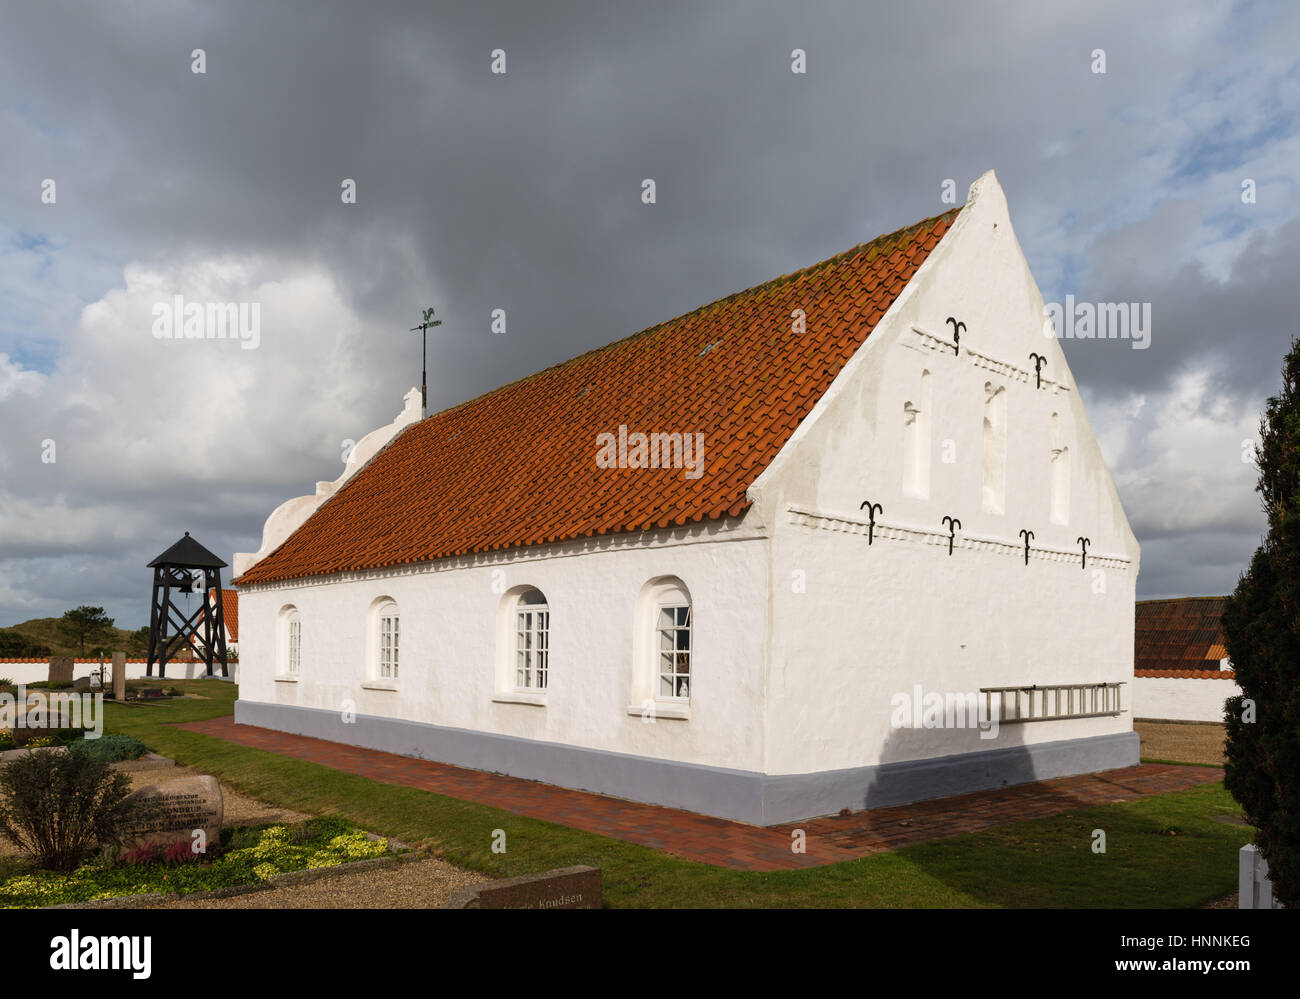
180 807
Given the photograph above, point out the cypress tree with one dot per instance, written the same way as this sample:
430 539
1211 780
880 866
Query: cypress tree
1261 626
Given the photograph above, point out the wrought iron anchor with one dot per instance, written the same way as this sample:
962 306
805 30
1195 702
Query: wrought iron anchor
1028 536
957 329
1039 360
872 509
953 525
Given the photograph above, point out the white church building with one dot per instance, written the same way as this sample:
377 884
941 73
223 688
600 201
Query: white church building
773 559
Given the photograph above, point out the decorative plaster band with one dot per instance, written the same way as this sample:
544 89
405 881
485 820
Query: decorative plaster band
932 341
844 523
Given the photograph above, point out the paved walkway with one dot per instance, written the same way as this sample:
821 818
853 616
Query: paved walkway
720 841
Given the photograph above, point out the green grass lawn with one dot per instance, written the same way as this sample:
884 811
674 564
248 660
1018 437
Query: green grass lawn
1166 851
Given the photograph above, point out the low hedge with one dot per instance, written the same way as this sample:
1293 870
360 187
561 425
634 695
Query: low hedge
112 748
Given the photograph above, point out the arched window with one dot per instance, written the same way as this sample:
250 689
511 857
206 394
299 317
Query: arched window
1060 474
532 641
664 659
385 653
916 442
289 642
995 448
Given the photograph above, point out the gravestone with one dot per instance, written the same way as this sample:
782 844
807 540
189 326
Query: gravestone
60 669
13 754
565 888
180 807
119 676
40 713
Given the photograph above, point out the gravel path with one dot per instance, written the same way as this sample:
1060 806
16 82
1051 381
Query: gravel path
1188 742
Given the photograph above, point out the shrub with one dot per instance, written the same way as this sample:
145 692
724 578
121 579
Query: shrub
55 805
112 748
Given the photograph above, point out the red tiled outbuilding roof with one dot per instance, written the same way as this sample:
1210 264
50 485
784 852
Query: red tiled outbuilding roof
517 466
37 660
229 612
1180 638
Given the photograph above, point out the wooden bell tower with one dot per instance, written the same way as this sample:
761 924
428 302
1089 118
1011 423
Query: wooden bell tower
175 569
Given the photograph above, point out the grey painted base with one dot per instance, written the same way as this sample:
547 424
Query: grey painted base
743 795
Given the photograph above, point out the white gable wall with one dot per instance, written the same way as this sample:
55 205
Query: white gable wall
875 620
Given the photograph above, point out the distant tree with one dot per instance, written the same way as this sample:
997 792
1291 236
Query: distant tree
14 644
137 645
1261 627
86 624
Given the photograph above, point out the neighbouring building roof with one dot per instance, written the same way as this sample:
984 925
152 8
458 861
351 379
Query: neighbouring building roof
229 613
1180 638
38 660
517 466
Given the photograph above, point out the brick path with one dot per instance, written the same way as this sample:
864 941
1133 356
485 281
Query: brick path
720 841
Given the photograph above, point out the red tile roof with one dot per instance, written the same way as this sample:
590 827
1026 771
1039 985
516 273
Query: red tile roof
36 660
517 466
1180 638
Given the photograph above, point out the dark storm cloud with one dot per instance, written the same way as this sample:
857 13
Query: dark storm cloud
521 192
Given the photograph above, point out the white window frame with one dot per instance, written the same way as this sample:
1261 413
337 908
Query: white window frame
390 644
294 665
288 657
517 658
649 702
383 645
673 653
532 644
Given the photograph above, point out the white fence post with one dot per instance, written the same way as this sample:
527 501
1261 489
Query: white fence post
1254 890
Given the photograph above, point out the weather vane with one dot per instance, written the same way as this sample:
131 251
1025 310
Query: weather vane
423 328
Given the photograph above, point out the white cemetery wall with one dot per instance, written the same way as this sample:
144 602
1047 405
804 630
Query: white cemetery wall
1182 698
